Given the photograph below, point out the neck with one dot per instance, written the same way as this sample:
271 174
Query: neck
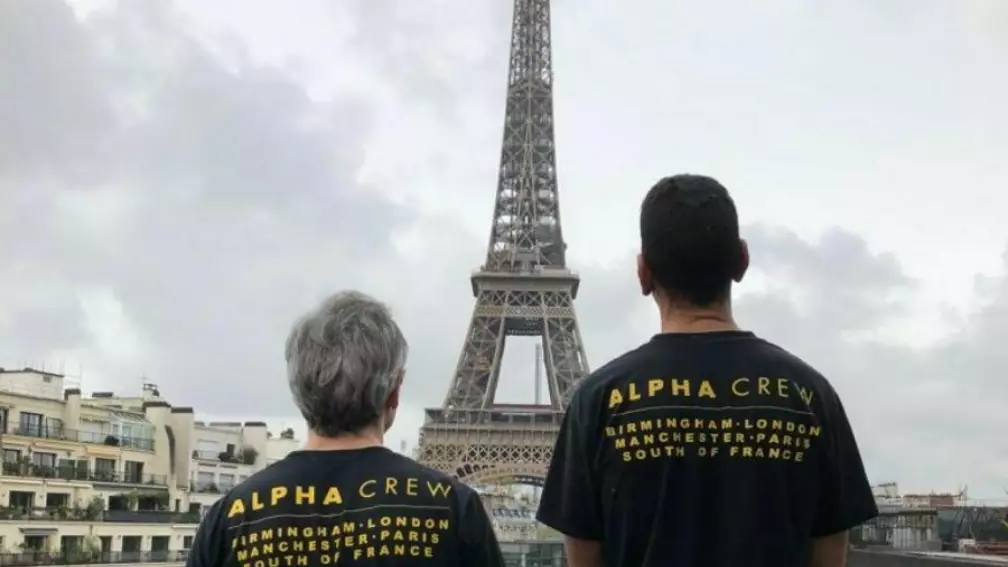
687 319
370 437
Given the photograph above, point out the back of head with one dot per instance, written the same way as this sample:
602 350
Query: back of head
690 240
344 360
345 495
703 408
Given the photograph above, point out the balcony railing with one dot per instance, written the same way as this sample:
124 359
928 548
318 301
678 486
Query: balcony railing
64 513
205 488
81 557
206 455
76 473
151 517
90 437
247 457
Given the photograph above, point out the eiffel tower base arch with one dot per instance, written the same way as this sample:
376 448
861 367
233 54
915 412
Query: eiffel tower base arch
488 446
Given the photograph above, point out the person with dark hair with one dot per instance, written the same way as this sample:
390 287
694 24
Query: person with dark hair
707 445
346 499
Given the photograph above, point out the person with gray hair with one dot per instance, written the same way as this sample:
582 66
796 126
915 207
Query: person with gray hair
344 496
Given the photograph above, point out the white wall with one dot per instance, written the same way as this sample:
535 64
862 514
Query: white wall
32 383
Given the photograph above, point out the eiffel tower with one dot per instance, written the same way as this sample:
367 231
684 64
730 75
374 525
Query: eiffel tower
524 288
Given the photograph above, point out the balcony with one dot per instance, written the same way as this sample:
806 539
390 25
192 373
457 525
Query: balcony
247 456
206 455
75 473
89 437
151 517
81 557
64 514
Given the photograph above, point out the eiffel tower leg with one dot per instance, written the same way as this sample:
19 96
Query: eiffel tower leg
565 360
479 363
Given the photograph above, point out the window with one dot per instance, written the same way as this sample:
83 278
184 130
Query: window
227 482
105 465
21 500
11 455
36 542
44 460
30 424
56 500
134 471
187 542
131 544
105 470
204 481
206 449
91 431
79 468
53 427
137 431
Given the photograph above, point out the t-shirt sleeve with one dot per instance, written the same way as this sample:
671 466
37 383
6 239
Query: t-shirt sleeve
569 500
207 547
845 498
479 547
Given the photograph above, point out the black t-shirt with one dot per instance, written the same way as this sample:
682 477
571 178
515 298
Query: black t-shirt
367 507
707 449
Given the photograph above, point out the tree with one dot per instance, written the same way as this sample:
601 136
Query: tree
249 455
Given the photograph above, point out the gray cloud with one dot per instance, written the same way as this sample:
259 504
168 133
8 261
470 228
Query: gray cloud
169 204
464 48
234 195
927 417
47 128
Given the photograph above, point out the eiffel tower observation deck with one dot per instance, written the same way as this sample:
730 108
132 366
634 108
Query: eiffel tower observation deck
523 288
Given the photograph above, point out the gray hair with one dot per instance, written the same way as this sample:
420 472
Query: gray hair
344 358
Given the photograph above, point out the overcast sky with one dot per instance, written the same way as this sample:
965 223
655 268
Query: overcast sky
179 182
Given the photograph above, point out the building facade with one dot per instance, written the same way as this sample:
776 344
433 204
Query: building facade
227 453
110 475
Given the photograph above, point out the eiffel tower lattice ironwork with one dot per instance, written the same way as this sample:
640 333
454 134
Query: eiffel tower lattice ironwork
524 288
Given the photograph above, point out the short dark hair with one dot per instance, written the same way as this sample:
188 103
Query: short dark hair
690 238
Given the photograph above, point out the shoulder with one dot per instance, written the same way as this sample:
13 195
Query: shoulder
591 394
623 366
773 353
216 513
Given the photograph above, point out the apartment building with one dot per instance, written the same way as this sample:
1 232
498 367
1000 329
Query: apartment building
113 475
227 453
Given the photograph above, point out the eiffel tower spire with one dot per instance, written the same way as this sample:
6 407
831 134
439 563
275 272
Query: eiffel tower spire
526 232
